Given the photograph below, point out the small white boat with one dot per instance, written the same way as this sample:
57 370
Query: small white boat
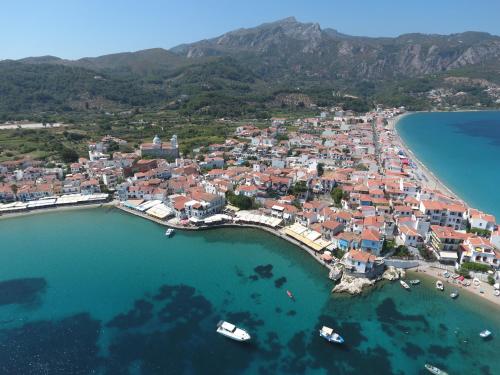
330 336
485 334
231 331
435 370
404 285
415 282
454 294
169 232
439 285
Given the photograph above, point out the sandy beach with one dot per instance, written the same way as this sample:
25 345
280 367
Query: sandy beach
450 284
421 173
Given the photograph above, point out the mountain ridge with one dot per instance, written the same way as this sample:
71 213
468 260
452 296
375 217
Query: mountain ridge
251 67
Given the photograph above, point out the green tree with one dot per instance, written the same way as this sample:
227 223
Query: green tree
241 201
68 155
300 187
320 168
475 267
337 195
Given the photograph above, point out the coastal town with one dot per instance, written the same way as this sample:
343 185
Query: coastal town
340 185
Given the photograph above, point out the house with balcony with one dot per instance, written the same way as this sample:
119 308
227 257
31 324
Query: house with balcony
445 242
480 250
409 237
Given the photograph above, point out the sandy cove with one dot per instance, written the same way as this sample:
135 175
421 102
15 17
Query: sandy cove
449 285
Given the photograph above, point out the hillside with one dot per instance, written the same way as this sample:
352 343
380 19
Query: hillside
251 71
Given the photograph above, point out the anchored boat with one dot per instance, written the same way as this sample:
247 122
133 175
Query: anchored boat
404 285
415 282
330 336
169 232
435 370
439 285
485 334
454 294
231 331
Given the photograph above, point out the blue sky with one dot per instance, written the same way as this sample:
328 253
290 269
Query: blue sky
78 28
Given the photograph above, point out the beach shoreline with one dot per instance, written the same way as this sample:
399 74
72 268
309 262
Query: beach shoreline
424 268
12 215
437 274
423 174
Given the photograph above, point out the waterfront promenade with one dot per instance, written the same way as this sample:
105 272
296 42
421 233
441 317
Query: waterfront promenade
433 270
275 232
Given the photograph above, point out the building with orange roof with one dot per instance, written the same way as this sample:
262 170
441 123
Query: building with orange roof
409 237
360 263
371 241
480 220
480 250
445 242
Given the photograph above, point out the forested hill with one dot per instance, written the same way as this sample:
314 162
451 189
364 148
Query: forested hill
252 71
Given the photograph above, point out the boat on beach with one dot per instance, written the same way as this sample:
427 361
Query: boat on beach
330 336
435 370
415 282
404 285
231 331
439 285
169 232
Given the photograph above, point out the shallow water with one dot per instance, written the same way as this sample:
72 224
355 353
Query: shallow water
99 291
462 149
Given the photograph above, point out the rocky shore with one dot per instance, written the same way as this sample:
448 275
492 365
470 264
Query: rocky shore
354 285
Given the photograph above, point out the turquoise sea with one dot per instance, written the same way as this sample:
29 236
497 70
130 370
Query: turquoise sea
100 292
462 149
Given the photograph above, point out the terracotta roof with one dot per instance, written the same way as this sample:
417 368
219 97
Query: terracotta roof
370 235
362 256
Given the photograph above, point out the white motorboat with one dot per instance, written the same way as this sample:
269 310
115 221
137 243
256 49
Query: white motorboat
231 331
435 370
330 336
415 282
485 334
169 232
404 285
454 294
439 285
